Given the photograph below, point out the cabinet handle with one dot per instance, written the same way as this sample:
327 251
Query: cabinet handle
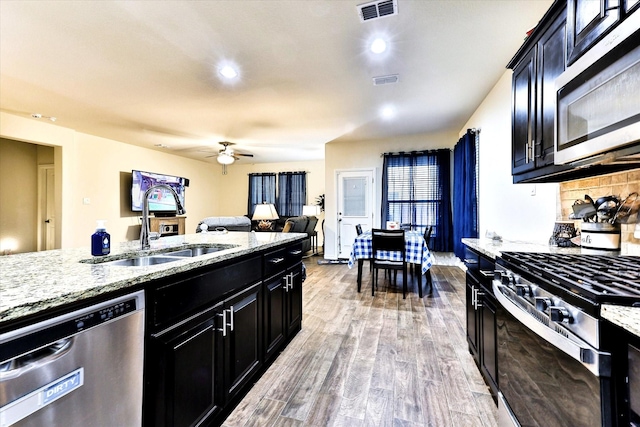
224 323
473 297
231 316
296 252
478 300
275 261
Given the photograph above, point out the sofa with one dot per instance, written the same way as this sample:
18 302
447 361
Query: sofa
302 224
229 223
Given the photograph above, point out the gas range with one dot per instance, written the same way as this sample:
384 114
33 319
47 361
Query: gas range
565 292
551 338
592 279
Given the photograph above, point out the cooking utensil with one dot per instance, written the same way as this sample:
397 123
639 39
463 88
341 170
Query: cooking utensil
627 212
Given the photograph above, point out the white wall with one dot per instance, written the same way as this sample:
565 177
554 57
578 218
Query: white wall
100 169
514 211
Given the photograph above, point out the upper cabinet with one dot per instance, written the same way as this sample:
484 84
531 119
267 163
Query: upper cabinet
588 21
565 32
535 69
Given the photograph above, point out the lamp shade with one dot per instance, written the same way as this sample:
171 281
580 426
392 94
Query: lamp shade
310 210
265 211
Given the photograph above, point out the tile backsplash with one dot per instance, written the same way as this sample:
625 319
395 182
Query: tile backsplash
619 184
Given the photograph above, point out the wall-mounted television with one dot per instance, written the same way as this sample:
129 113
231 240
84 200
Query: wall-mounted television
161 201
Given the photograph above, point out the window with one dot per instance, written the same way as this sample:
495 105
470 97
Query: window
289 198
262 189
416 193
292 193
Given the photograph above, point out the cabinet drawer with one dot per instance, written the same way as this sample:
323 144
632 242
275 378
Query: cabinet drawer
281 259
182 296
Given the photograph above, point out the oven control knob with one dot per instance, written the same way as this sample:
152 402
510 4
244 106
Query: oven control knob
542 303
523 290
506 278
560 314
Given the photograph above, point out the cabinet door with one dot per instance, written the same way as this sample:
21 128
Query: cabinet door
182 372
472 317
587 22
274 314
294 300
523 114
489 344
551 63
243 340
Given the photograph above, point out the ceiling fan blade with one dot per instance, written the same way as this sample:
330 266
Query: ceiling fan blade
244 155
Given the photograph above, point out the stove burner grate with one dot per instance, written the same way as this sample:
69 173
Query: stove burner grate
595 277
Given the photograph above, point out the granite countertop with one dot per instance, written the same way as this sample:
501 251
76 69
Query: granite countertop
493 248
627 318
37 281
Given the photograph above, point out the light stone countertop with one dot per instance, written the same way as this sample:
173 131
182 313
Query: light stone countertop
37 281
627 318
493 248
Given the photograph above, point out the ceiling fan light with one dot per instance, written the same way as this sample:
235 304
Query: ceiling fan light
225 159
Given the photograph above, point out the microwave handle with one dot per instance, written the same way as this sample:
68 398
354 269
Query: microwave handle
599 363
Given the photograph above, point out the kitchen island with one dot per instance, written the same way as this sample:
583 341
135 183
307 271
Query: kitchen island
213 324
34 282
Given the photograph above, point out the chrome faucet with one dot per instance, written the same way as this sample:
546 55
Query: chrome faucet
144 229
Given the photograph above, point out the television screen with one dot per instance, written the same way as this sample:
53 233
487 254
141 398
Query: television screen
160 200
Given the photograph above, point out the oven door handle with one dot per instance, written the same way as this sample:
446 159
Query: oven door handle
599 363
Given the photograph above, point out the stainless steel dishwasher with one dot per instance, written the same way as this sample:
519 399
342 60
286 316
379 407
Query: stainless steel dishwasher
83 368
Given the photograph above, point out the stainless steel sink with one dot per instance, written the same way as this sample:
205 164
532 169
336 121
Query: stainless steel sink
161 258
142 261
197 251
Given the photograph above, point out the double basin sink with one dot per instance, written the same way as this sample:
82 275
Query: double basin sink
171 255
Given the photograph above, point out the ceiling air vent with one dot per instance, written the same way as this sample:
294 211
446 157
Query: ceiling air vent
377 9
385 80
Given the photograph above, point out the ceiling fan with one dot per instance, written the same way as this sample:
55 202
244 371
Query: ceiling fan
227 155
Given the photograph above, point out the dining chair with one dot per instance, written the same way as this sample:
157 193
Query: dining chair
427 236
392 241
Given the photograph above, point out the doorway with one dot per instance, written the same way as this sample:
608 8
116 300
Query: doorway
355 206
46 207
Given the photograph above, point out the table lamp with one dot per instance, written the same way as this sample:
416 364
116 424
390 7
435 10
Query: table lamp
265 213
310 210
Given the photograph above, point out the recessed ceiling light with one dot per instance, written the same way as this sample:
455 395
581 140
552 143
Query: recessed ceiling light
378 46
228 72
388 112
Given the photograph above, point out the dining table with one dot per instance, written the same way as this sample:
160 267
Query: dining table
417 253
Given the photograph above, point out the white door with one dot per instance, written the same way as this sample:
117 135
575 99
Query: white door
46 211
355 206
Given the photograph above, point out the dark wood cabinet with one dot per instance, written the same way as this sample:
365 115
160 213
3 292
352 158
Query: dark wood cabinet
535 69
523 103
283 298
481 317
212 331
587 22
181 377
241 338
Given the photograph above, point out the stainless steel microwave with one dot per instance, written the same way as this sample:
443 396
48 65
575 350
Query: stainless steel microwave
597 118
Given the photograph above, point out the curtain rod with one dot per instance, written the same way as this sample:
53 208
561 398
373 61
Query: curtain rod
413 152
275 173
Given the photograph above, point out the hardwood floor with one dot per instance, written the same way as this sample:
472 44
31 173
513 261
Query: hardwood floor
373 361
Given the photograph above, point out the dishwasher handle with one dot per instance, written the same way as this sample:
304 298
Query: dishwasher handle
17 366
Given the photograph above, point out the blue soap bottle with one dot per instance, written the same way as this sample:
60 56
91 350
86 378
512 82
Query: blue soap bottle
100 240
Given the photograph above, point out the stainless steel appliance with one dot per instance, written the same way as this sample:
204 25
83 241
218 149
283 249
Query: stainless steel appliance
558 363
82 368
598 102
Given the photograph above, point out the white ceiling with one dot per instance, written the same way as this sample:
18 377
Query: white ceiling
145 72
